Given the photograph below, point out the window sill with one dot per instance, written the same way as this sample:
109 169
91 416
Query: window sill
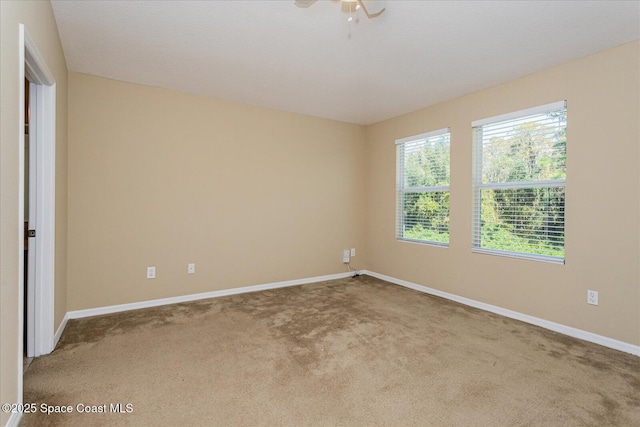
424 242
528 257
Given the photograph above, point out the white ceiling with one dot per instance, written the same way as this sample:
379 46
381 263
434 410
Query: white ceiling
311 61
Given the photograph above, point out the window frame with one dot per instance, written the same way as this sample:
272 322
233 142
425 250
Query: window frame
401 190
478 185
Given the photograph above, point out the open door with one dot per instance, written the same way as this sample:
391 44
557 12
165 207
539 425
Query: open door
31 186
36 290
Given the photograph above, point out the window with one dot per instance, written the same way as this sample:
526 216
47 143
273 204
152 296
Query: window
422 185
519 183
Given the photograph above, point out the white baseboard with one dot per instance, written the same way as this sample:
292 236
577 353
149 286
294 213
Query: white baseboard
77 314
556 327
58 333
14 419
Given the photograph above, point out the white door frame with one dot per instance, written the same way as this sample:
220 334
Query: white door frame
34 67
32 193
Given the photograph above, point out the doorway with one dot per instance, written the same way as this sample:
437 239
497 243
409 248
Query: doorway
37 200
31 191
28 218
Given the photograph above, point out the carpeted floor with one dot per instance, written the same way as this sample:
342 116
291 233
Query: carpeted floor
347 352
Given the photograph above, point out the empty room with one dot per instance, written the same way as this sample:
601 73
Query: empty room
319 213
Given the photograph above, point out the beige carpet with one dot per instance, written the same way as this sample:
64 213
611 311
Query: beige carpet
347 352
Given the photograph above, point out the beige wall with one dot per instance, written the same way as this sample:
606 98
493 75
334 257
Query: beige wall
162 178
602 207
40 23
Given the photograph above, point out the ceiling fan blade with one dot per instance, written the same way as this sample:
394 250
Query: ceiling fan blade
304 3
366 12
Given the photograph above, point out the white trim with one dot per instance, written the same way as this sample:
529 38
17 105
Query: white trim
21 52
14 419
78 314
519 255
522 113
36 67
63 324
556 327
33 66
423 242
422 136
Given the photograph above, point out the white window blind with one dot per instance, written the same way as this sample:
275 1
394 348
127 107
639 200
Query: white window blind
422 184
519 184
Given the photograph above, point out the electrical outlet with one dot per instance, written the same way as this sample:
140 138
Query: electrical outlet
151 272
353 251
592 297
346 256
191 268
